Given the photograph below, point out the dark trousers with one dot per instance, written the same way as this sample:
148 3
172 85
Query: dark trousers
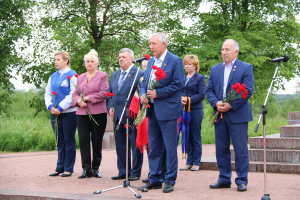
66 145
137 156
162 133
194 150
238 132
163 164
89 131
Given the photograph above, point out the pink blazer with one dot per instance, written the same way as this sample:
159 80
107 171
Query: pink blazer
96 90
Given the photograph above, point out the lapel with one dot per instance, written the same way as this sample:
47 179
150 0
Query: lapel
115 81
222 76
128 77
166 61
232 72
150 70
192 79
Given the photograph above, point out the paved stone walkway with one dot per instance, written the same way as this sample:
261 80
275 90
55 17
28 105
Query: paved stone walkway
25 176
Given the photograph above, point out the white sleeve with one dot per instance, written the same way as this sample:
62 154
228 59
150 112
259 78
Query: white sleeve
67 101
48 94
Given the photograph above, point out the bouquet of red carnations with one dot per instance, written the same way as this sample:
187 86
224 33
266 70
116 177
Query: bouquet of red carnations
159 74
238 91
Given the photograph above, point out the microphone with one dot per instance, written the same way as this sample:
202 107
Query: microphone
284 58
145 57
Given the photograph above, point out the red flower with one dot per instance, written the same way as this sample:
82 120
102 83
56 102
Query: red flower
69 77
54 93
234 87
158 78
238 90
244 95
125 125
76 75
243 85
108 94
154 67
111 94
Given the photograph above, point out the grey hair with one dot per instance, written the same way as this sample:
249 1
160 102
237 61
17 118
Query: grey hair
130 52
162 37
236 44
92 53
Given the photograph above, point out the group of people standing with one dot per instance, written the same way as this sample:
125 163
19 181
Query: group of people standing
86 95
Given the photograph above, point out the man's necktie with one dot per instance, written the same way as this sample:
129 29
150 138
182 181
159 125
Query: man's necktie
121 80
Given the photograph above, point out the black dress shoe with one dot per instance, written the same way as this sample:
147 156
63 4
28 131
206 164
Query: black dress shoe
168 187
145 180
150 186
66 175
133 178
118 177
55 174
241 187
219 185
96 174
86 174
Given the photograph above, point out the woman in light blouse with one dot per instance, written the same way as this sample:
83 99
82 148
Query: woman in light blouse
93 85
60 107
195 88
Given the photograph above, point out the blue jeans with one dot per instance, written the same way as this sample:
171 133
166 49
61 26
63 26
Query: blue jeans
194 151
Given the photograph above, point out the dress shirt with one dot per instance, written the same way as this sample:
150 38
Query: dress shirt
227 71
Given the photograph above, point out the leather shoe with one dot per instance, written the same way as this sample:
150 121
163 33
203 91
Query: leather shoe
168 187
96 174
195 168
241 187
55 174
86 174
219 185
187 167
66 175
145 180
150 186
133 178
118 177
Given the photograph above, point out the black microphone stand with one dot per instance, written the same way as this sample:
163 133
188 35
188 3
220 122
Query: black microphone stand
263 114
126 182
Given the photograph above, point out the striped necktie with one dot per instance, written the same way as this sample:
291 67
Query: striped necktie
123 74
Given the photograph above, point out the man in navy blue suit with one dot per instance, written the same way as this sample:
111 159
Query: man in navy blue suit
165 108
235 116
120 84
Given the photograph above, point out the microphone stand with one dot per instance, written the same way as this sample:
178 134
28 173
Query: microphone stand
126 182
263 114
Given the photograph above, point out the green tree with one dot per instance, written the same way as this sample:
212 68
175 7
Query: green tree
264 30
13 27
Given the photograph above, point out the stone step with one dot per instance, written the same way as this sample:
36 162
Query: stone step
275 142
255 166
290 131
294 118
272 155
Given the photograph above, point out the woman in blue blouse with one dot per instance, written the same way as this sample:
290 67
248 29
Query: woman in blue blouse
60 107
195 88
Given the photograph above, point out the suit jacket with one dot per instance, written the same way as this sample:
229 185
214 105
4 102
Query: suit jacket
195 89
95 89
122 94
243 73
167 105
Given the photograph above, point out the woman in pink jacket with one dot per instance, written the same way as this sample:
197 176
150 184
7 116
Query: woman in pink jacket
93 85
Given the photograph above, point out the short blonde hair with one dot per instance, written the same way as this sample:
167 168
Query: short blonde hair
65 56
92 53
193 59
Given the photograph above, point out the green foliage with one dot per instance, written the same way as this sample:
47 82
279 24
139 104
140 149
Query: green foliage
21 131
12 27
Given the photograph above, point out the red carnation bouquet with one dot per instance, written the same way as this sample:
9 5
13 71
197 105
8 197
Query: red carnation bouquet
238 91
81 95
109 94
159 74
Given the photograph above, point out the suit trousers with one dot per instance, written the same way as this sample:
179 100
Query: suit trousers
137 156
238 133
66 145
162 133
194 150
89 131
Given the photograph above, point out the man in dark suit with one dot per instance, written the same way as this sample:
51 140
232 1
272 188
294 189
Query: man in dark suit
165 109
235 115
120 84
